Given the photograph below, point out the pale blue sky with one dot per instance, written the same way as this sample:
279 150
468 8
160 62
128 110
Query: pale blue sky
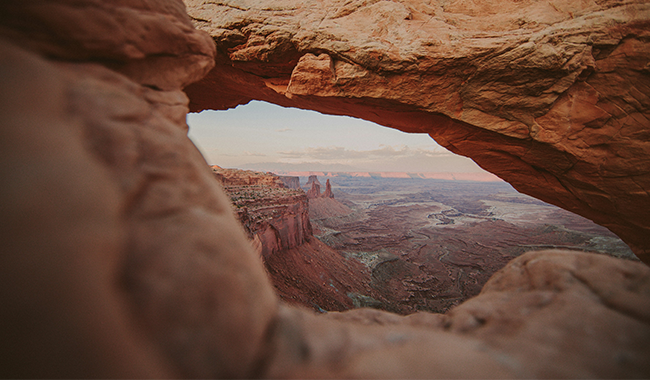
263 136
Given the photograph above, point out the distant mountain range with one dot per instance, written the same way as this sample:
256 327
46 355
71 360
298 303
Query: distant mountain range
479 177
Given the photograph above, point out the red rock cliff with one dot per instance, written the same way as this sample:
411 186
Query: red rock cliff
303 270
275 217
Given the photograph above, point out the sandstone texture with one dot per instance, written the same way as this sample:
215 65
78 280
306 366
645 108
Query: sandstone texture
121 254
552 96
119 250
482 337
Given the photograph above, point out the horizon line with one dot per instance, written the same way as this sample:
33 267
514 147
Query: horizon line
454 176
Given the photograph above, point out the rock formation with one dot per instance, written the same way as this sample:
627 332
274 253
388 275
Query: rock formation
314 191
291 182
121 256
303 270
550 96
328 190
236 177
274 217
311 180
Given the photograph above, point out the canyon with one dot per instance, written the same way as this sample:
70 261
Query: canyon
397 244
303 270
123 257
431 245
273 215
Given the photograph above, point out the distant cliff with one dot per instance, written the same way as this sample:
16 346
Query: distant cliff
303 270
328 190
314 191
275 217
291 182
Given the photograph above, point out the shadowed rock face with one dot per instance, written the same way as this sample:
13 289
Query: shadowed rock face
121 256
550 96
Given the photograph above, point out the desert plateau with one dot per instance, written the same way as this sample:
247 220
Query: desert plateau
432 244
395 243
125 255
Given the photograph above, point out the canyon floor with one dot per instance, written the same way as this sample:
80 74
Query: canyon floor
431 244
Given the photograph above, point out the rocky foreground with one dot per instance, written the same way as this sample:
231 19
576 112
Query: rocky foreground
121 256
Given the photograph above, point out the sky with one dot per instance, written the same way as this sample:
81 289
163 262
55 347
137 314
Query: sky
266 137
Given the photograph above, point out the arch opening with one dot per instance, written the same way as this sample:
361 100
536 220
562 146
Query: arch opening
420 239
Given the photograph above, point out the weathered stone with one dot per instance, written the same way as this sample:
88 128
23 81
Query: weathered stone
274 217
573 325
125 194
153 44
328 190
64 313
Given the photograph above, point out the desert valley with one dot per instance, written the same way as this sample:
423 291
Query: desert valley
394 242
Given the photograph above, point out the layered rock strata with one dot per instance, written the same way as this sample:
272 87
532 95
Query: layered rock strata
275 217
550 96
122 257
303 270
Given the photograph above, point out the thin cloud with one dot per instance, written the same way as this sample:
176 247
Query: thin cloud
253 154
284 130
341 153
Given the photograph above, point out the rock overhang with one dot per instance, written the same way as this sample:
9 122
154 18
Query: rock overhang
551 97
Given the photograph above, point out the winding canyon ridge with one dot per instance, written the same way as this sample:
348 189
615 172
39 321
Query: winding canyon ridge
394 242
123 257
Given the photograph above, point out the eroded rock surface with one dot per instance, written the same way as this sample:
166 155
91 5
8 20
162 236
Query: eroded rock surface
303 270
121 256
528 301
143 238
274 217
550 96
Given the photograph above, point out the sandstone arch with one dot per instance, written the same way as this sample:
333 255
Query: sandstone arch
121 258
550 96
